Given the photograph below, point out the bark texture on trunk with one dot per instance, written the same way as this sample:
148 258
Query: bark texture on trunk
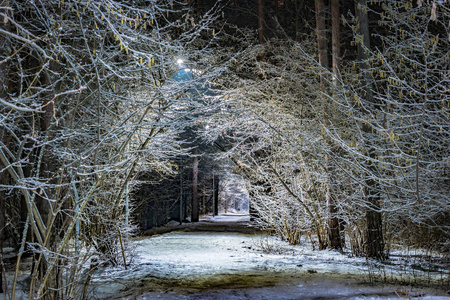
321 38
204 200
374 232
261 21
252 211
2 231
374 239
181 197
334 222
47 164
216 195
194 206
275 7
335 38
4 75
334 234
364 32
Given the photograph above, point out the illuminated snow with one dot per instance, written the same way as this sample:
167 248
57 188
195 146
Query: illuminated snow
216 265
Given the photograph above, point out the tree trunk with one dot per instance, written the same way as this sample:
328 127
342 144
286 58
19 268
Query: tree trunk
296 21
275 7
374 232
181 195
364 32
252 211
204 200
334 238
321 39
2 231
334 234
194 213
216 195
335 39
261 21
4 72
48 166
374 239
2 221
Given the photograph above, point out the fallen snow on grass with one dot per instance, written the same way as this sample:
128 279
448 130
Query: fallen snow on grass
227 265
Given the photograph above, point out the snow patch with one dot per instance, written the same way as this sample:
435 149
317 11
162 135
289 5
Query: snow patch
218 265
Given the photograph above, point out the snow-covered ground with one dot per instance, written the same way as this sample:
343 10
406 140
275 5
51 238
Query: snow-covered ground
230 265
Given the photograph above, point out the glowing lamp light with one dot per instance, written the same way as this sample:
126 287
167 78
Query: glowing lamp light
179 61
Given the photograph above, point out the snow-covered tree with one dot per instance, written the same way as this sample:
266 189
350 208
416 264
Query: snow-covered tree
381 151
88 99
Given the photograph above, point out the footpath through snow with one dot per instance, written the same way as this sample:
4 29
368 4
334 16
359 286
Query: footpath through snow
193 264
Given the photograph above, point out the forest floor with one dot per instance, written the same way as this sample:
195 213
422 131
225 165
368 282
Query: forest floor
214 259
225 222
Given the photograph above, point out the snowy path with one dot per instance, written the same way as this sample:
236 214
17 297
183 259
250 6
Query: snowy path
230 265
